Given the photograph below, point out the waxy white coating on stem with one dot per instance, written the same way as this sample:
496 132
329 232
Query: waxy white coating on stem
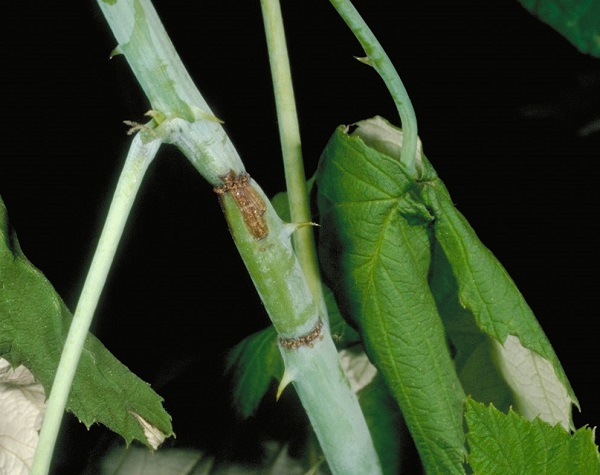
314 368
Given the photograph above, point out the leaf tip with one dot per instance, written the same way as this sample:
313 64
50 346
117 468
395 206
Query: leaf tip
154 436
200 113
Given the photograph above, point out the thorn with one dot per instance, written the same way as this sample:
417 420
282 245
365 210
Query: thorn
115 52
308 223
364 60
202 114
286 379
292 227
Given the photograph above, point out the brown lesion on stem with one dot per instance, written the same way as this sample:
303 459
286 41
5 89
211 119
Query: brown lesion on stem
248 201
305 340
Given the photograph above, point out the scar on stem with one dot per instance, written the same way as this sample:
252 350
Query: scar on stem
248 201
306 340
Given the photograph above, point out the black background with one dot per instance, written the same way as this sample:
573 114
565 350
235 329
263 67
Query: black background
501 100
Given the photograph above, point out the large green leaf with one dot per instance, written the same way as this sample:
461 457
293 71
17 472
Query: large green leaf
504 444
407 266
577 20
34 322
376 248
254 363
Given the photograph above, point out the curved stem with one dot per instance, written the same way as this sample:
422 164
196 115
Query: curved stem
377 57
291 147
140 156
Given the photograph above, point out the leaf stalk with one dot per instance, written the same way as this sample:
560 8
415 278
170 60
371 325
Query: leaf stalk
378 58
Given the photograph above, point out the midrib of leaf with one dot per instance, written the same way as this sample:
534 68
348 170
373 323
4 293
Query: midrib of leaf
418 431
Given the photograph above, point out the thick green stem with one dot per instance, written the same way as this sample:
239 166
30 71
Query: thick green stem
291 147
263 240
377 57
140 156
311 360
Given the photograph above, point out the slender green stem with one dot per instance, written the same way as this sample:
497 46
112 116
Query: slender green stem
291 147
377 57
315 371
140 156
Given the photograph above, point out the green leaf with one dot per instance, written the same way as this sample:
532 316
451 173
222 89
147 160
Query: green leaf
507 444
343 334
520 348
401 256
376 248
254 363
34 322
577 20
485 314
